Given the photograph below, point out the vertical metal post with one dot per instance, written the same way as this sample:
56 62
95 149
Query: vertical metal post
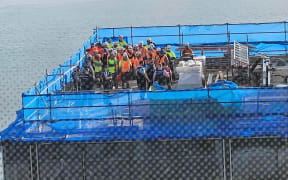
37 162
47 81
113 31
70 68
131 32
129 108
96 37
247 43
230 159
83 161
23 108
285 31
224 159
179 33
50 107
31 162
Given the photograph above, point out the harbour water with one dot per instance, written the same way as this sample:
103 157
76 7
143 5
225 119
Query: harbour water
38 35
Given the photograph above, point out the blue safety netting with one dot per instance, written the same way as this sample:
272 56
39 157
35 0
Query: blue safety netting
267 38
198 113
61 75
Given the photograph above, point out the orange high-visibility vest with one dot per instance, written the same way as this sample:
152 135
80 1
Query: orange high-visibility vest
125 66
135 63
162 60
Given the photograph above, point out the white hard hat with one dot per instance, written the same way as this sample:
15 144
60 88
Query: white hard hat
125 55
169 47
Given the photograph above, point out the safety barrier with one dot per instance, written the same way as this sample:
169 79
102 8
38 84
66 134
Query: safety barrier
265 110
267 38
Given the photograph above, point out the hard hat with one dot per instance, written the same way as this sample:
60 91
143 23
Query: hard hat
138 53
186 44
125 55
148 39
158 49
130 47
169 47
141 42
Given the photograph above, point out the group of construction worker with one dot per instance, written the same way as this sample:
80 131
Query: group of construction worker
109 63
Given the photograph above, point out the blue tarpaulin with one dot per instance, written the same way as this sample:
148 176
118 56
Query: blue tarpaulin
148 115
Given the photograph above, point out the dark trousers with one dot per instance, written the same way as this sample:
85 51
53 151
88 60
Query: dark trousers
124 79
114 80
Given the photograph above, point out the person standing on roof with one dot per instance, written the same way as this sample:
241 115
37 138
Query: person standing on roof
121 42
163 58
170 53
112 68
149 68
125 66
159 75
110 45
167 75
142 49
149 43
107 78
99 48
187 51
98 69
151 52
115 46
91 49
142 78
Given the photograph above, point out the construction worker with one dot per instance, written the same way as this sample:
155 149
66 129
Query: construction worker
151 52
167 75
91 49
159 75
107 78
142 49
76 79
163 57
149 68
149 43
125 66
121 42
113 67
187 51
86 78
115 46
98 69
170 53
99 48
110 45
142 78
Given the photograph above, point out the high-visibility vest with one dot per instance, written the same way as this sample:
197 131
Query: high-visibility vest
163 59
91 50
122 43
135 63
98 66
171 54
112 65
125 66
110 45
